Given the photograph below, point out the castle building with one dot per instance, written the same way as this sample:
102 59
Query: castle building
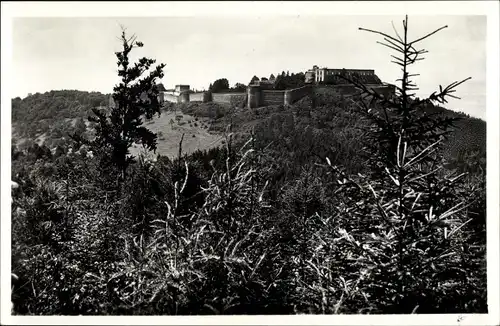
311 75
318 75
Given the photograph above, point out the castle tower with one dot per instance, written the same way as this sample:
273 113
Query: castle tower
184 97
254 96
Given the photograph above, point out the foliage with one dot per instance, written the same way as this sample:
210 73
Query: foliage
253 80
48 112
283 82
240 87
219 85
80 127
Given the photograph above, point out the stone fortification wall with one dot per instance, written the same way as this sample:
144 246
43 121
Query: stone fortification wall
184 97
272 97
229 98
296 94
200 97
259 97
385 90
170 97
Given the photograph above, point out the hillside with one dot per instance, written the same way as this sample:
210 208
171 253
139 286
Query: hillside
50 117
51 114
333 123
469 133
333 127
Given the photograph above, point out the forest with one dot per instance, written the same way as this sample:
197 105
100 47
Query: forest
333 205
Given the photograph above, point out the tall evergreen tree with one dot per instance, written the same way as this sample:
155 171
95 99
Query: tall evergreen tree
414 197
134 97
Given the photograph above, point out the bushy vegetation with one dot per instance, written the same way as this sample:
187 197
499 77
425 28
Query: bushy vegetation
219 85
222 86
329 206
289 81
49 112
283 80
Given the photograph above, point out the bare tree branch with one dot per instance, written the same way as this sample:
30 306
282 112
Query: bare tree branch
396 31
376 32
389 46
426 36
394 44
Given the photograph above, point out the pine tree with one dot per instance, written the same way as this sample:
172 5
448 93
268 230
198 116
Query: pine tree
134 98
414 199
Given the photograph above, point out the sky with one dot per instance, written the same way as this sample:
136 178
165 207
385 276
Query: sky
78 53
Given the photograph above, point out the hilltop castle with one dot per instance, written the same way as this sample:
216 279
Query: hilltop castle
262 92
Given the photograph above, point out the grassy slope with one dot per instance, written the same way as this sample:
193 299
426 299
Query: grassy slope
169 135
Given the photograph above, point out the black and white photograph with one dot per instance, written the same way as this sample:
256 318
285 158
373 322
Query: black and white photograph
217 160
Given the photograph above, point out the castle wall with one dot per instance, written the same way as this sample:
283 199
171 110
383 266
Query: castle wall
346 89
200 97
272 97
259 97
170 97
184 97
253 96
296 94
385 90
229 98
